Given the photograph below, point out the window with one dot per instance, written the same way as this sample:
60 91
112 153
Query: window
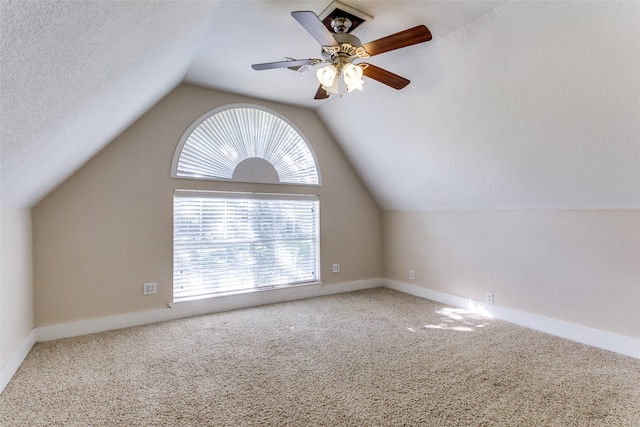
231 242
219 144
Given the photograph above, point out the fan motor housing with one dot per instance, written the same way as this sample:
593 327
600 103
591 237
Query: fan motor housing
348 45
347 38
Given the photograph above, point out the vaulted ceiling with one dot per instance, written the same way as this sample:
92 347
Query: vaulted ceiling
511 105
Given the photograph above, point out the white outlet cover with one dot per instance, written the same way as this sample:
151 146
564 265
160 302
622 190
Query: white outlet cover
150 288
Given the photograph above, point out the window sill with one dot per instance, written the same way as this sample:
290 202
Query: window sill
191 300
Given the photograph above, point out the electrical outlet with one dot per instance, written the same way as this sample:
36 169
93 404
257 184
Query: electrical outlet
336 268
489 297
150 288
411 275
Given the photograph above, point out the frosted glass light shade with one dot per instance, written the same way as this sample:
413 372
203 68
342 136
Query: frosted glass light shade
327 76
352 77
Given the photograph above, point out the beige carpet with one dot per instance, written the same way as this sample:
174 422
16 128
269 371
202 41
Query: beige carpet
369 358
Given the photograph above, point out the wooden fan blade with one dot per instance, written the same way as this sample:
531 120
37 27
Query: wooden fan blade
399 40
285 64
315 27
321 93
384 76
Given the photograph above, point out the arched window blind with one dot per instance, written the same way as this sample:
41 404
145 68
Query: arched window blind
214 146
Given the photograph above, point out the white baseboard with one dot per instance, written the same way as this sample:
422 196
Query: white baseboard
11 366
593 337
197 308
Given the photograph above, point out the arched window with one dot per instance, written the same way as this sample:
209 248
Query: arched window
245 143
230 242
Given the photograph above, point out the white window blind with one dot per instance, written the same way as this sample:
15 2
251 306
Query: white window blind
215 145
231 242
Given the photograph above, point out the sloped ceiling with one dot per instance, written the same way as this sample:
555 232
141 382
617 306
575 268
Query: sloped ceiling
534 105
76 74
511 105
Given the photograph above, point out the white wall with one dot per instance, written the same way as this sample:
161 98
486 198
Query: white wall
577 266
16 287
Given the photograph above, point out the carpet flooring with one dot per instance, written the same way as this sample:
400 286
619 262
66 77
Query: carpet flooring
368 358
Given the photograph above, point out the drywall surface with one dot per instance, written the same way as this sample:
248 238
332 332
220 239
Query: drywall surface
578 266
16 280
108 228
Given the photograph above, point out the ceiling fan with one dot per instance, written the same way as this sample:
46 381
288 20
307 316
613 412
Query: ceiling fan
342 51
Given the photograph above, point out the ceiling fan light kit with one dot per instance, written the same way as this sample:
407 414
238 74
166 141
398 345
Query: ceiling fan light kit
342 50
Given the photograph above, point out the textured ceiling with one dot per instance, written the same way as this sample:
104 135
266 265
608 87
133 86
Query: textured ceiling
511 105
75 74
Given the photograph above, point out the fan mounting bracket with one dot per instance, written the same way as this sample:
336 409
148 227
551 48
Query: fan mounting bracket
340 10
